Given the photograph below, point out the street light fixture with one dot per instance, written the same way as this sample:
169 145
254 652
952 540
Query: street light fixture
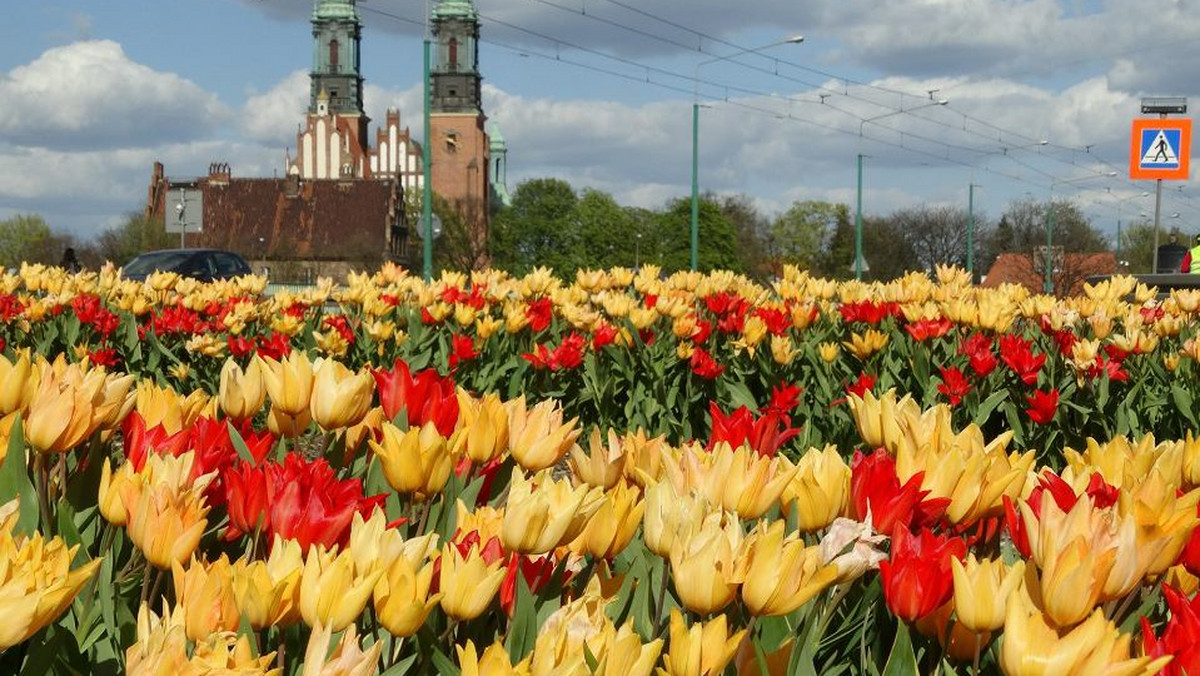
901 111
1048 285
695 257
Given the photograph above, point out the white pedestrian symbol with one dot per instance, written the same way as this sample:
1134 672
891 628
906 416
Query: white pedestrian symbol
1160 152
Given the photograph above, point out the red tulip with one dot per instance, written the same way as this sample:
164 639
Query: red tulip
1042 406
978 351
1180 637
764 434
539 312
462 348
875 488
245 500
140 442
954 385
1018 355
866 382
306 502
1102 494
1190 558
917 577
926 329
704 365
537 573
427 397
603 336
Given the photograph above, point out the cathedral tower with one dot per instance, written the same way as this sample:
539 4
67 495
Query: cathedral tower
460 146
333 143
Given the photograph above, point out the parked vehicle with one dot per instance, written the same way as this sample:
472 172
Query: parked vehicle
205 265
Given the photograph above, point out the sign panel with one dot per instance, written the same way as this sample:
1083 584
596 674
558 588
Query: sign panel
1160 148
185 210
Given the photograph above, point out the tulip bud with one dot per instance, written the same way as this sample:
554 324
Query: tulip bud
981 589
402 599
782 574
669 516
538 437
332 592
543 514
416 462
703 648
268 593
242 393
348 658
205 592
340 398
706 566
289 383
467 584
614 524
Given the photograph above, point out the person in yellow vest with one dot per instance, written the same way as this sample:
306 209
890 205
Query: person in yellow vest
1193 254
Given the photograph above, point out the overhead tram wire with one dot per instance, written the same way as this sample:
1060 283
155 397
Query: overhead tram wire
946 159
701 35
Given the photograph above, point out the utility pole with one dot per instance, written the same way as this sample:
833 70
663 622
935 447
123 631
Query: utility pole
971 230
695 186
858 253
427 187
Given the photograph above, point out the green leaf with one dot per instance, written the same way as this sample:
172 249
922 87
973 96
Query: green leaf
739 395
239 444
901 661
989 405
43 649
443 664
1185 404
523 631
15 482
400 668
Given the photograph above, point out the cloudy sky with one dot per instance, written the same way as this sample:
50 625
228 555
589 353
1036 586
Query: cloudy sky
1038 96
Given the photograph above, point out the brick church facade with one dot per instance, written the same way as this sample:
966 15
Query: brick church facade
342 202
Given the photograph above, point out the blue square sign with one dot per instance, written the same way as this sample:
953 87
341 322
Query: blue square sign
1160 148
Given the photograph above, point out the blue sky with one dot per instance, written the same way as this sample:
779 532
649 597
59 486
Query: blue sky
599 92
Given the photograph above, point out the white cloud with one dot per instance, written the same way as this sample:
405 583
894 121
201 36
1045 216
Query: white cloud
91 95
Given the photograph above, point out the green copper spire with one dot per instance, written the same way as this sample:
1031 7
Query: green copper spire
463 9
335 9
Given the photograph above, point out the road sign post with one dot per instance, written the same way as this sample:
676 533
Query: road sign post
1160 150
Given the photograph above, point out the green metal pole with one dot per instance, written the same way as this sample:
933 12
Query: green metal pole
858 255
427 186
1048 286
695 186
971 230
1118 245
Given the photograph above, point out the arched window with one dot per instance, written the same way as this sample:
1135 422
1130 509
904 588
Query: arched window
333 54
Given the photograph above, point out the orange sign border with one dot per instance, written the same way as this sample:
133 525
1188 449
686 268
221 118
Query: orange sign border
1184 125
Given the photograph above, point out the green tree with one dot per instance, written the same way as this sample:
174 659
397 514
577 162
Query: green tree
718 239
135 235
803 234
608 233
751 229
539 229
27 238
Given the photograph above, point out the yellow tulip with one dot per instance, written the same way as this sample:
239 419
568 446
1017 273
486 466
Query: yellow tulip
829 352
340 397
864 345
706 565
39 585
467 584
267 593
164 406
537 435
981 589
402 599
878 418
332 592
416 462
542 514
289 383
69 406
483 424
623 654
112 508
643 457
348 658
603 464
228 653
668 516
205 592
493 662
782 574
1031 647
166 522
161 646
820 490
242 393
562 639
702 649
783 350
18 384
614 524
290 426
374 546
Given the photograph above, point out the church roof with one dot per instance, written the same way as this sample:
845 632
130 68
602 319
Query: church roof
335 9
330 220
463 9
496 138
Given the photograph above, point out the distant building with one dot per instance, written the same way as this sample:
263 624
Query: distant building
1071 270
342 201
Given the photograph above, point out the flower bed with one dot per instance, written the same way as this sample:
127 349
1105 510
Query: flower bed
691 474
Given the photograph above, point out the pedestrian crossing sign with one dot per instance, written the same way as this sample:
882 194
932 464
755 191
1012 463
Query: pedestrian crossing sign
1160 148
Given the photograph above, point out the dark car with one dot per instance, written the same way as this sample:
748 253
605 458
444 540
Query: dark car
205 265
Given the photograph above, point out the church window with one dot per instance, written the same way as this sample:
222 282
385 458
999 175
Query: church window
333 54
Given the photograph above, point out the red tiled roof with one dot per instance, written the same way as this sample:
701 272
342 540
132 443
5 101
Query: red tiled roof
319 220
1022 269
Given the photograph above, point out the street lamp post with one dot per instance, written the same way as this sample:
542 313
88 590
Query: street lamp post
1048 284
971 229
695 240
858 254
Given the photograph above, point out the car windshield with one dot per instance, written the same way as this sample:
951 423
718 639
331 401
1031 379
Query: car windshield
159 260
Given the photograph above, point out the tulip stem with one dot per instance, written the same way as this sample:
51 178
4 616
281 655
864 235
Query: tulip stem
975 662
42 474
146 581
660 607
